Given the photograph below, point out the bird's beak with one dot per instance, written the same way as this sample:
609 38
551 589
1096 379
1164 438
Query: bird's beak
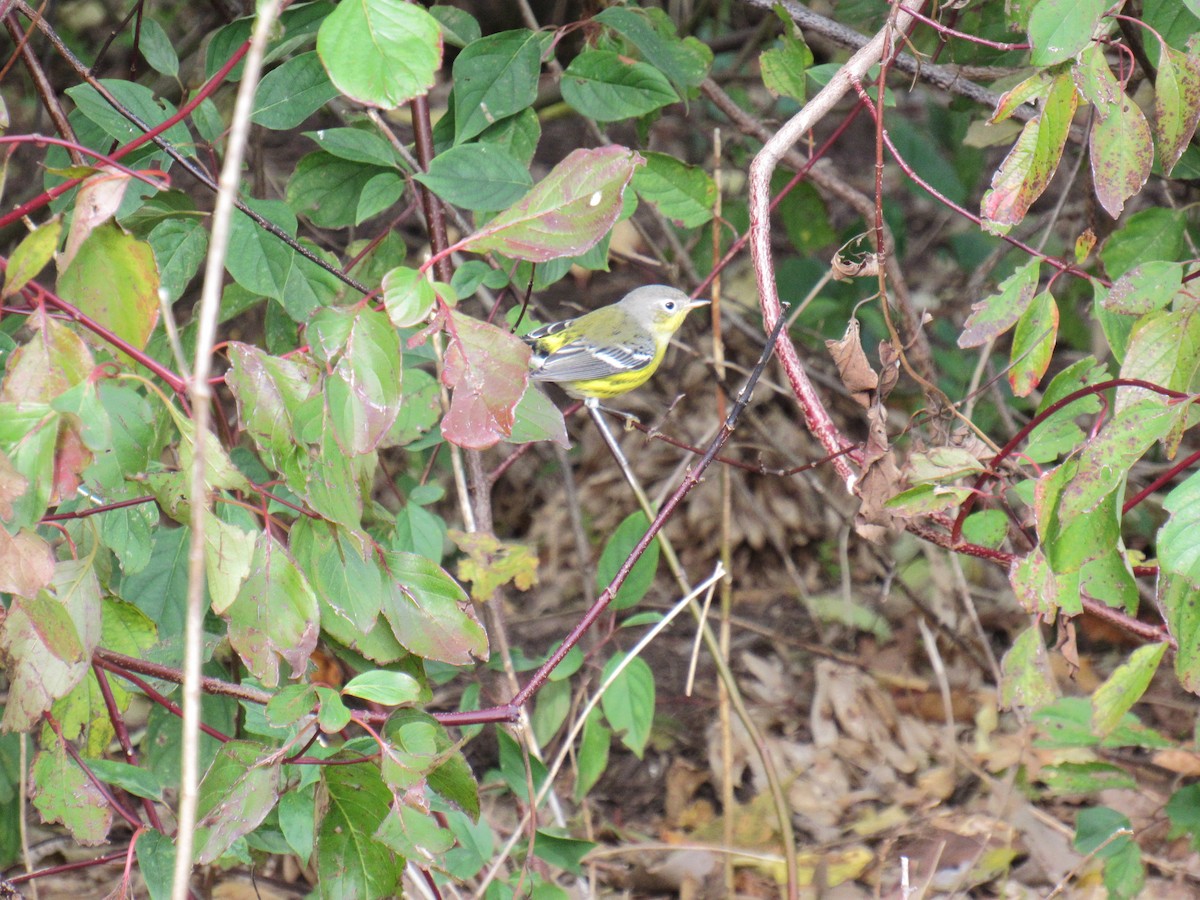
694 304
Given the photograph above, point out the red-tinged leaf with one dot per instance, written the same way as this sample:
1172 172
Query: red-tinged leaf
54 360
239 789
96 203
30 256
71 457
274 616
1033 344
567 212
62 792
12 485
994 315
114 279
363 391
26 563
1031 163
1176 102
488 368
269 391
1122 155
43 656
429 613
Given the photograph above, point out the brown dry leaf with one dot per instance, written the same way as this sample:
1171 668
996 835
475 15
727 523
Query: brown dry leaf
853 367
683 780
1182 762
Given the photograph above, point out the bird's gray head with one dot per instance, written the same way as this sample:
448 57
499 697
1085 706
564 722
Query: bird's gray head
659 305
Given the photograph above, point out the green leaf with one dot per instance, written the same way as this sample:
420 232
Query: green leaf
567 212
1183 809
1027 681
685 62
550 710
62 792
350 862
337 193
113 278
1146 235
562 852
592 757
1033 344
1178 551
1125 687
341 569
332 713
602 85
1085 778
356 145
488 369
495 77
1176 596
157 48
994 315
180 245
387 688
617 550
380 52
138 99
297 820
292 92
429 613
1124 873
682 193
784 67
1145 288
30 256
628 702
477 177
257 260
459 27
1068 723
1107 457
1059 29
238 791
1164 348
536 418
156 863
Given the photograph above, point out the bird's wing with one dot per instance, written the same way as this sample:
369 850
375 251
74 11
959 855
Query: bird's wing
581 360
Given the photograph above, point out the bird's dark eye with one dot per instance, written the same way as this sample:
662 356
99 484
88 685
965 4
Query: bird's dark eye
669 306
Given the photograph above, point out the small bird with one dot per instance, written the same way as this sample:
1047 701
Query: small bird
613 349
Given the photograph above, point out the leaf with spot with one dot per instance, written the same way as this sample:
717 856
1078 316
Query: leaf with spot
1176 102
994 315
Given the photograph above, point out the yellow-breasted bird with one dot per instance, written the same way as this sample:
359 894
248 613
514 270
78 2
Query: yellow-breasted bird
613 349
